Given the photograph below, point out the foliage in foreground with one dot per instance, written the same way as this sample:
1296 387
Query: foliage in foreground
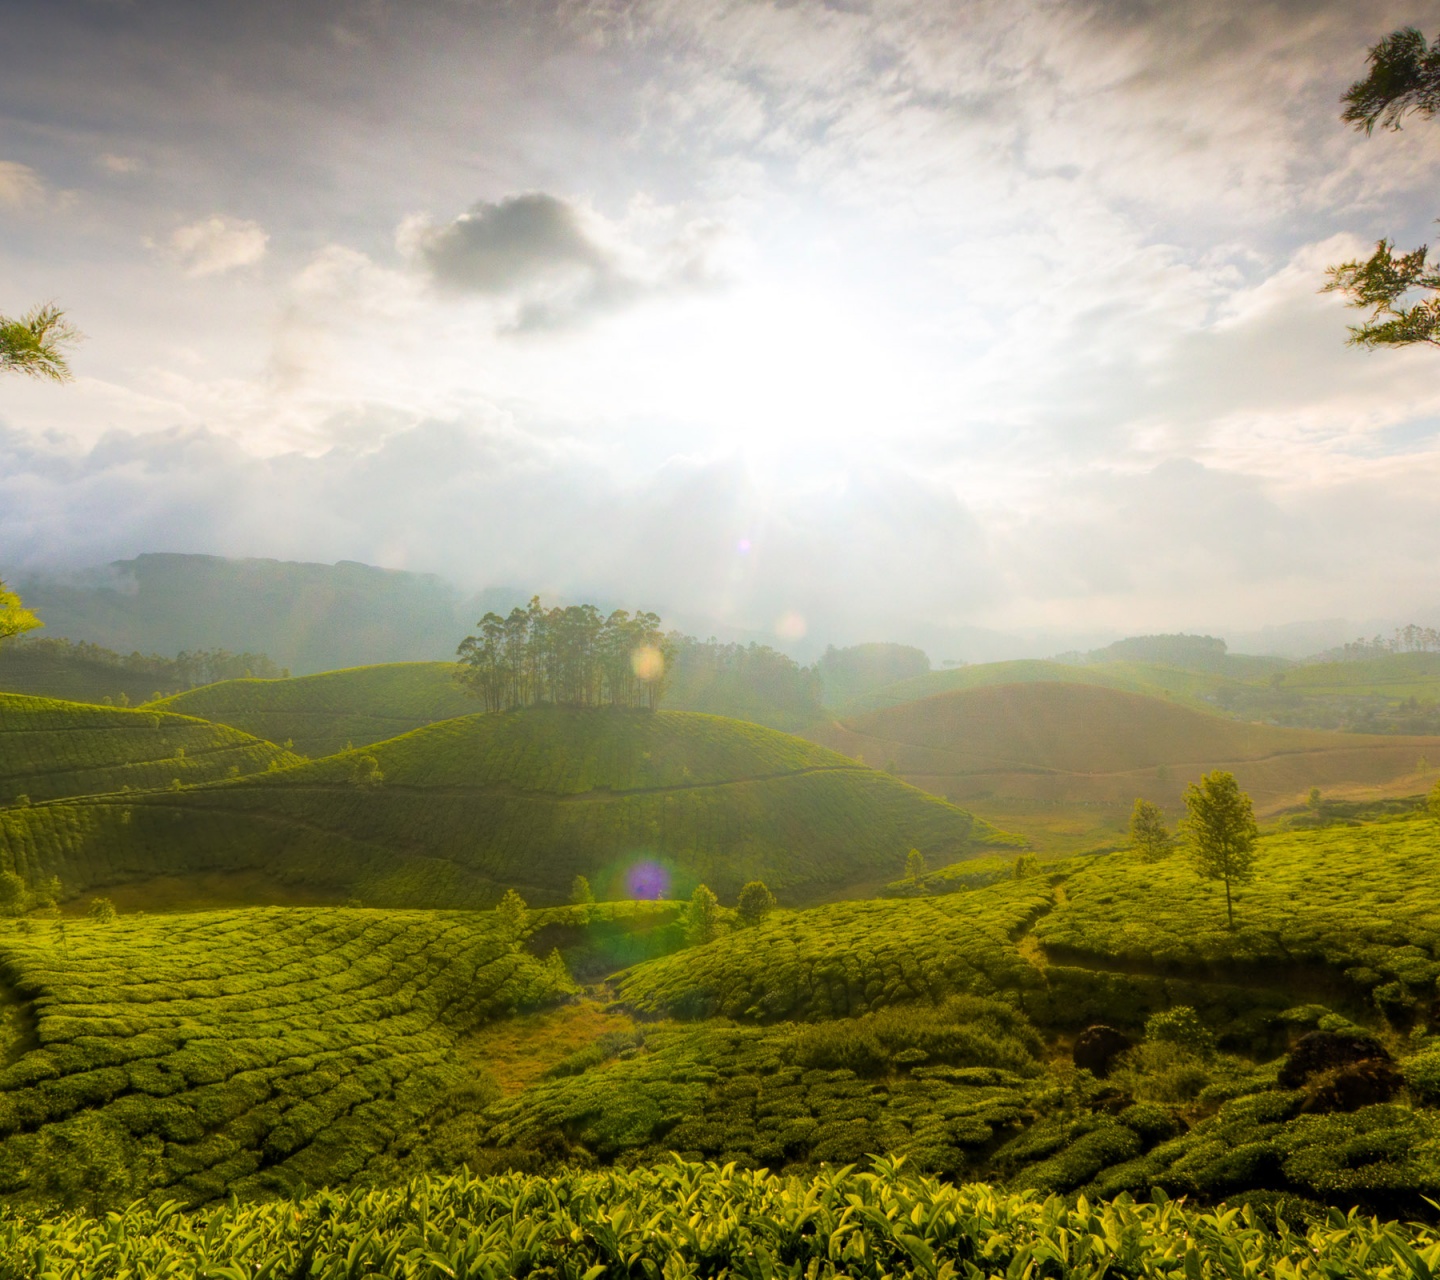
682 1220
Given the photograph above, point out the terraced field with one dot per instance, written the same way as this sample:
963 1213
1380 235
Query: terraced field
52 749
183 1057
454 813
326 713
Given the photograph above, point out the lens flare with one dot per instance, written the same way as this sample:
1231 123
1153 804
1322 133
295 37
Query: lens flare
648 663
647 880
790 626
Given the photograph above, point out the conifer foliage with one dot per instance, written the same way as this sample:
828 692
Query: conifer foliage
570 656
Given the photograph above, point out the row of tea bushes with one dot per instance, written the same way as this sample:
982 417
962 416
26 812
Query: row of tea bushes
51 749
193 1056
683 1220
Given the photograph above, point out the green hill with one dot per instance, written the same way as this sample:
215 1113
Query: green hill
1191 687
464 808
257 1052
326 713
1029 756
52 749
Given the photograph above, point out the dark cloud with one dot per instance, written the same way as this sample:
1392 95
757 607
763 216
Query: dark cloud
517 242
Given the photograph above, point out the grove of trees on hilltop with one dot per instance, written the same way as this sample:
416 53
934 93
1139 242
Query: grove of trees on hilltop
566 656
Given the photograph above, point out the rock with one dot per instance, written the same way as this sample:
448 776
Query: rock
1318 1051
1360 1084
1096 1049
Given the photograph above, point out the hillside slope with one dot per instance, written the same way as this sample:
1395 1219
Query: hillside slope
52 749
1061 743
1192 687
640 803
330 712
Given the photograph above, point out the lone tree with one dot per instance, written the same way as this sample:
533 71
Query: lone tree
34 344
510 914
1147 831
702 918
914 865
581 894
1404 78
756 902
1220 831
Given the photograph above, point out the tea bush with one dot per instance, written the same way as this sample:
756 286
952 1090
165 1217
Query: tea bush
682 1220
187 1057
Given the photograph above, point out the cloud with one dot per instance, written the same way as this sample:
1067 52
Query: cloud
553 264
118 165
20 185
218 244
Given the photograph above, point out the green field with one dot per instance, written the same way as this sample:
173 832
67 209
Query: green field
460 810
51 749
331 712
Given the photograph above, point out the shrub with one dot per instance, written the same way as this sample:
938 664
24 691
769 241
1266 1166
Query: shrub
1422 1076
756 902
101 910
13 897
1180 1026
510 915
702 917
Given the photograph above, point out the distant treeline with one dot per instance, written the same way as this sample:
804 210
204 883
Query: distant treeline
1410 639
90 672
574 655
566 656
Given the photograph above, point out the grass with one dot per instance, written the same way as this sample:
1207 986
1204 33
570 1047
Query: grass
326 713
51 749
696 1220
467 807
1063 763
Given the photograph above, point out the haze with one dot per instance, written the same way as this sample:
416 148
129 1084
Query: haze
845 321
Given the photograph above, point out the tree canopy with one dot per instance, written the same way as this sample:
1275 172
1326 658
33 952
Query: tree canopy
1220 830
34 344
569 656
1404 78
15 618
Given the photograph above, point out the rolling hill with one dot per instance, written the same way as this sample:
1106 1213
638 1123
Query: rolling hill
51 749
1191 687
451 814
1045 745
326 713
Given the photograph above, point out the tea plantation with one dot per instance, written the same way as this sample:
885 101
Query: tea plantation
452 814
52 749
186 1057
322 714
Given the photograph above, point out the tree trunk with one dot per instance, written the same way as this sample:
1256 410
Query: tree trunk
1229 909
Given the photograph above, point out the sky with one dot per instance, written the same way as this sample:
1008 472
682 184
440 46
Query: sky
810 322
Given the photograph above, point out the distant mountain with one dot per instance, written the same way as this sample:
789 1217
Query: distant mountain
307 617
